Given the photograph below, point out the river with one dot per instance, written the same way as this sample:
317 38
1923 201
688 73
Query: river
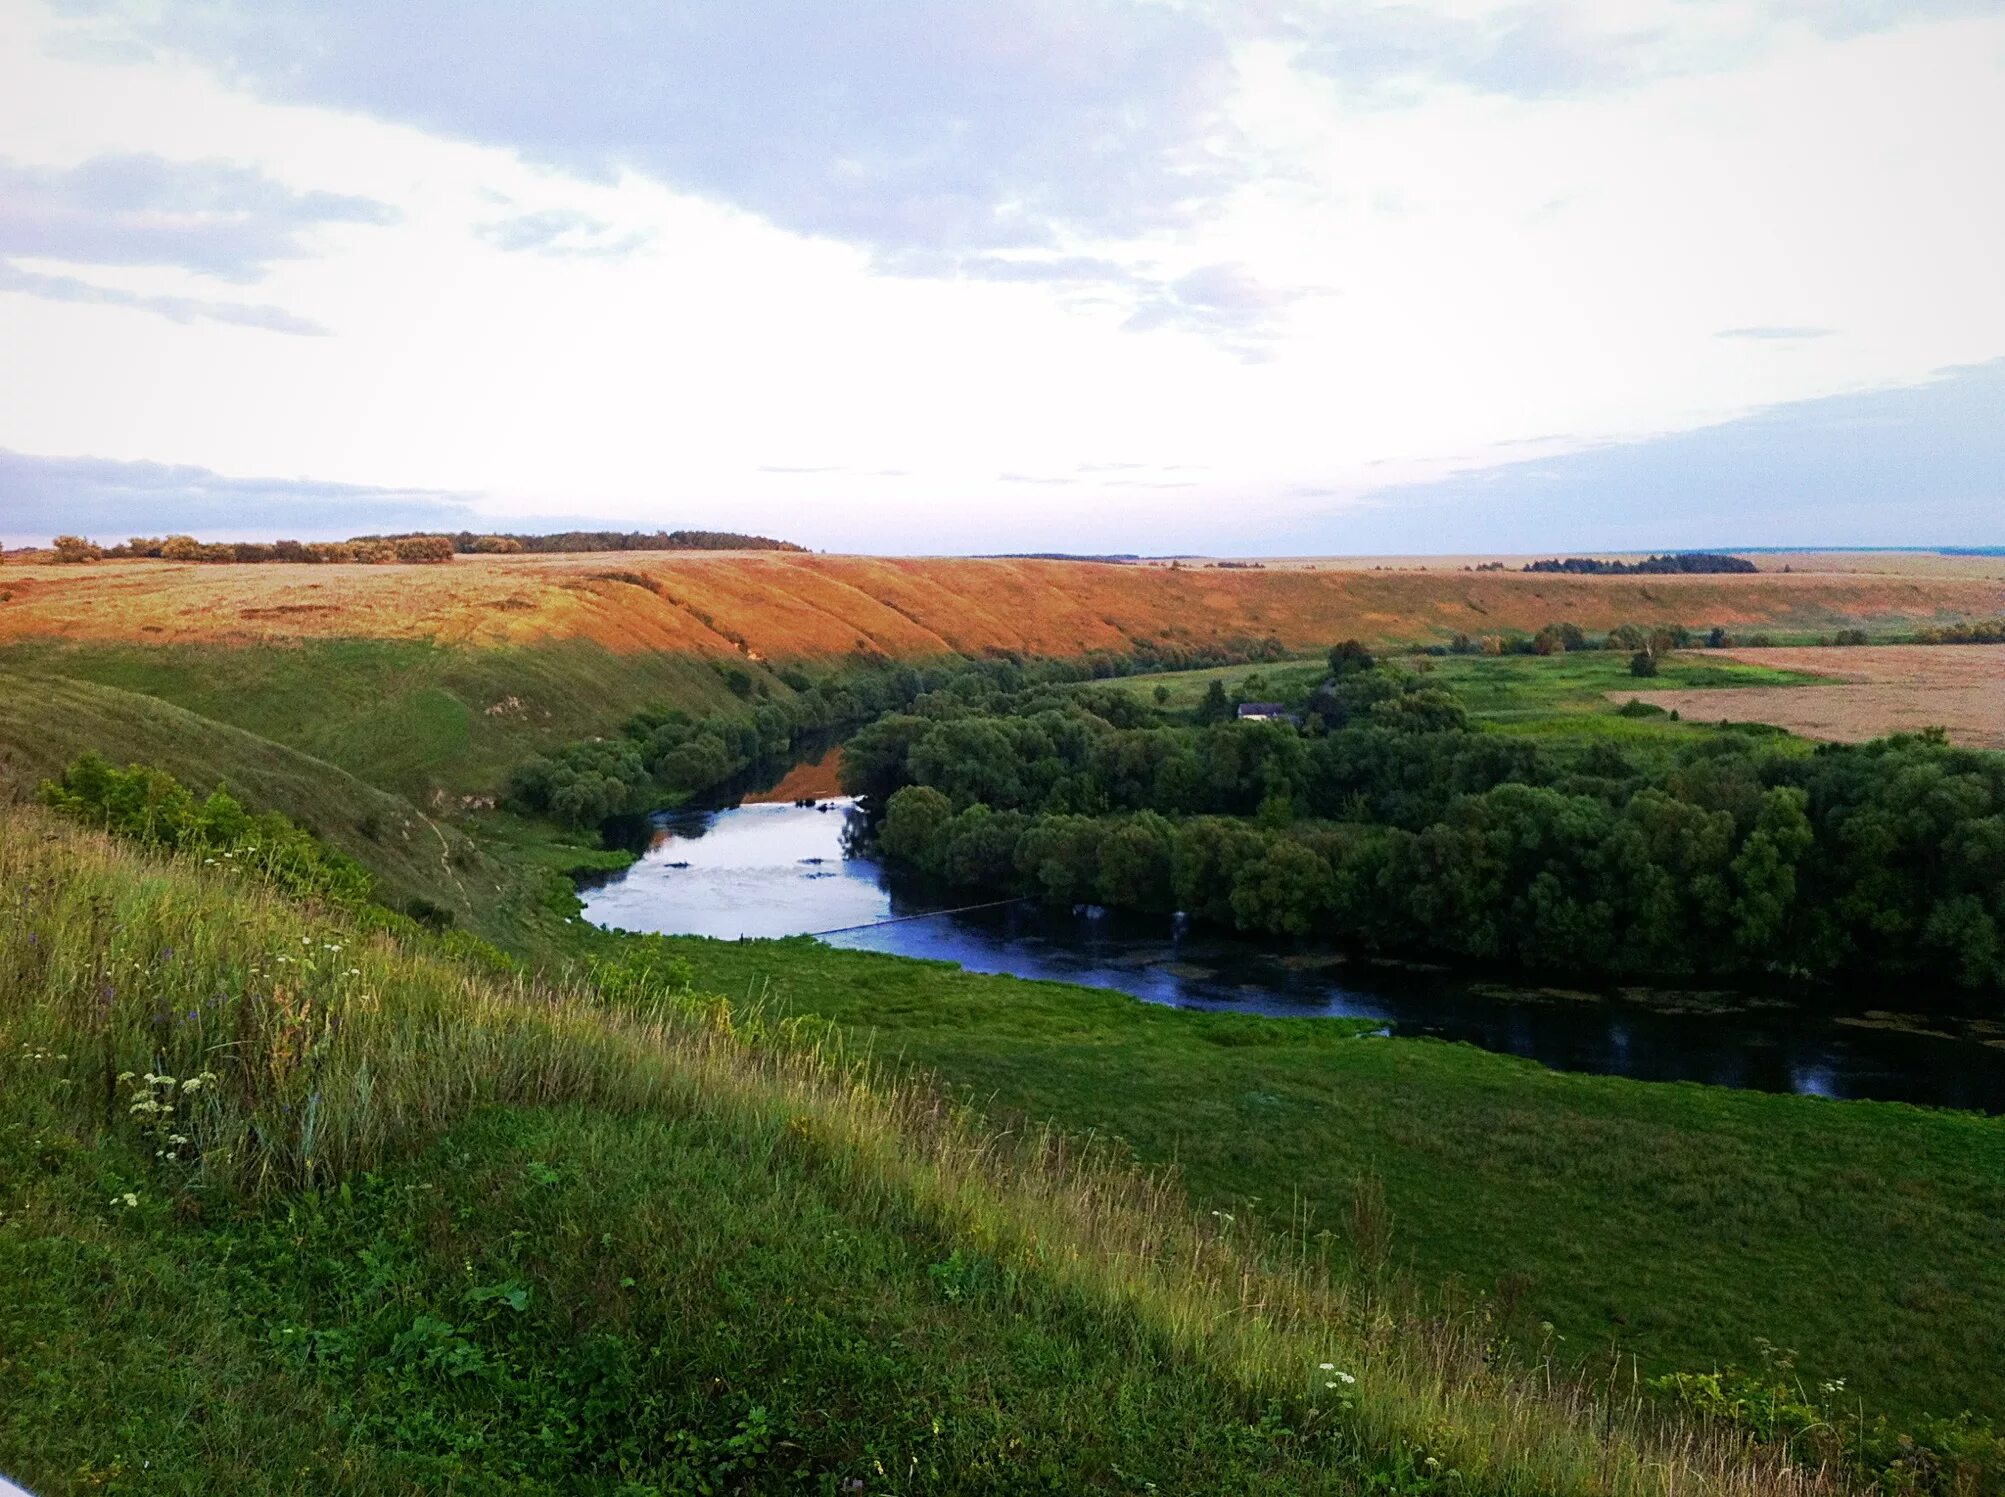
768 865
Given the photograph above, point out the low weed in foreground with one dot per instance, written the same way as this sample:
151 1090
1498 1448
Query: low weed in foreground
430 1226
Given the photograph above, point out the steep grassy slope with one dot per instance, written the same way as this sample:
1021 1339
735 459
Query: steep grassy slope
286 1208
46 722
426 721
1680 1222
779 606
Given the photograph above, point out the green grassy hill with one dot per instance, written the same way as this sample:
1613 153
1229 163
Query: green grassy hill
429 722
395 751
289 1207
46 722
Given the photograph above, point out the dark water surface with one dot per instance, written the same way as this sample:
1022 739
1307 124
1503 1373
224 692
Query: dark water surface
780 869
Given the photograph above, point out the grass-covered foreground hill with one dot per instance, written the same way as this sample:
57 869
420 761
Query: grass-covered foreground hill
288 1204
1684 1224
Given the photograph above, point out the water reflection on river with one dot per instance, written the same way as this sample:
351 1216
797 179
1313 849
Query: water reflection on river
779 869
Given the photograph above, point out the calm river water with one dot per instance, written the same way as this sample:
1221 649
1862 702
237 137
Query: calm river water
770 867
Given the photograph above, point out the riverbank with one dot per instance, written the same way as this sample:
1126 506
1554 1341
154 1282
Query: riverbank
767 867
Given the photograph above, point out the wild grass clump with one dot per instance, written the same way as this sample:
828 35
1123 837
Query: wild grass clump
248 1051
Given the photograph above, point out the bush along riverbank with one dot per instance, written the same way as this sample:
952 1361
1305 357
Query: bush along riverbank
1385 820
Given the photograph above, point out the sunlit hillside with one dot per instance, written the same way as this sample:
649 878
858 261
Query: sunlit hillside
777 605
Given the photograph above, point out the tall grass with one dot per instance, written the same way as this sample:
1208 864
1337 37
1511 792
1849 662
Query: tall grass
316 1052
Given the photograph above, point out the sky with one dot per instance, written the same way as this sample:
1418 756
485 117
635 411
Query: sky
1228 276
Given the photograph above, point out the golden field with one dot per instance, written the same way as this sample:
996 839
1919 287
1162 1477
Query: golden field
776 605
1875 690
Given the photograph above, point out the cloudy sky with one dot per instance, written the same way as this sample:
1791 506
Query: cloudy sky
939 275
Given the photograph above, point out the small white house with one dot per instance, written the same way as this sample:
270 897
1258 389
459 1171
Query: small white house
1264 712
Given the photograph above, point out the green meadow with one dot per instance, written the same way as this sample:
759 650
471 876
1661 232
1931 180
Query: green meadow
1679 1222
1537 694
547 1219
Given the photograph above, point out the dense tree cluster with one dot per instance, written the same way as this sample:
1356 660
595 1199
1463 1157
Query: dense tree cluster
657 755
1677 562
1395 827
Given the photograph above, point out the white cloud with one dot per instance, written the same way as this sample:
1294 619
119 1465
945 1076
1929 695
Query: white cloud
1275 253
216 218
174 308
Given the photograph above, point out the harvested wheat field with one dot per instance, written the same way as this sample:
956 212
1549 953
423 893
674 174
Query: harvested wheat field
1875 690
773 605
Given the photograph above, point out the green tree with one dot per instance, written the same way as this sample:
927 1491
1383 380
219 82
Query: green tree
1216 706
1060 855
1764 873
1349 657
913 818
1135 864
1283 891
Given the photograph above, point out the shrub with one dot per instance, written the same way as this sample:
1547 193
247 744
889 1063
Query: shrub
424 548
152 807
1349 657
76 548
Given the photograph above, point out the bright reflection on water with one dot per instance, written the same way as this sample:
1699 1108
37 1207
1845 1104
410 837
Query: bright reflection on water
759 870
783 869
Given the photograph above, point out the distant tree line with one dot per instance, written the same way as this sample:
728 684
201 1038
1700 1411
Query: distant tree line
1567 637
409 547
1974 632
1395 827
404 548
467 542
1680 561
